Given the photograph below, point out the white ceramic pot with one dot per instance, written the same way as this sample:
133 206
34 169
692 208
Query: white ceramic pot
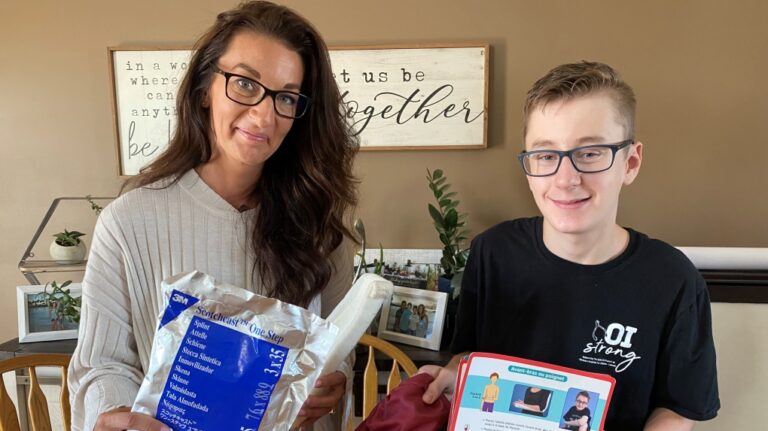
67 254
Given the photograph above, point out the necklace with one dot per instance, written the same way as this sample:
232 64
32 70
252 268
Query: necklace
246 204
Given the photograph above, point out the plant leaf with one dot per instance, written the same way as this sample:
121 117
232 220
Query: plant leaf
436 216
451 218
437 174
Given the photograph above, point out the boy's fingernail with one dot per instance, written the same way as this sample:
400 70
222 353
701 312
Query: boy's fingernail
319 384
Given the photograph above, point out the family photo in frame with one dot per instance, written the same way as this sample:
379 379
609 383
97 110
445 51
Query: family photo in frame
42 318
414 317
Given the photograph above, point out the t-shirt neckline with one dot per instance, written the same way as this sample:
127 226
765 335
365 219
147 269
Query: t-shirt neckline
621 259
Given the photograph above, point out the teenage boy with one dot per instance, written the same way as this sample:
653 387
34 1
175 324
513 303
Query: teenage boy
576 289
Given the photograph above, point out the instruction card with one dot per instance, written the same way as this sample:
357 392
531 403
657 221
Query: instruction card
497 392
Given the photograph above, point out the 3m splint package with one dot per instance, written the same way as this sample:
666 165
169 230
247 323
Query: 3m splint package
224 358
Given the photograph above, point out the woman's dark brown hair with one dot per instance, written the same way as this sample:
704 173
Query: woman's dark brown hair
306 187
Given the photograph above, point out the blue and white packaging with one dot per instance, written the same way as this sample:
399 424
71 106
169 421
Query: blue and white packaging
224 358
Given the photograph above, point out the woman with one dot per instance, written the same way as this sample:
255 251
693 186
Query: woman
413 320
259 166
421 328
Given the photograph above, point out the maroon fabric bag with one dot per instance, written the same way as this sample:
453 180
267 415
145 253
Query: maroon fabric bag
403 409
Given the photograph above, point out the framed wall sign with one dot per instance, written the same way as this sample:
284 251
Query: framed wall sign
144 85
415 97
399 97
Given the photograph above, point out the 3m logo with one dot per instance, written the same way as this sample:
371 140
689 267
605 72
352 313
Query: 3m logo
177 303
180 299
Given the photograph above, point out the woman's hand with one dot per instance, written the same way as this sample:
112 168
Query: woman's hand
334 385
122 418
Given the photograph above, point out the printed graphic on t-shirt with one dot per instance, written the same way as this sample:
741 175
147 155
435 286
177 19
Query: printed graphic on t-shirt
611 346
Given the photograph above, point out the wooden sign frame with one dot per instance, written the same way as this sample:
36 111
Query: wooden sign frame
144 82
415 97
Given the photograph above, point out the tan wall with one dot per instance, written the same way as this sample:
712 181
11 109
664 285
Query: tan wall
698 68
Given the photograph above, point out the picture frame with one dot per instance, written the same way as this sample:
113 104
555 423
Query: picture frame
395 97
415 96
39 322
420 332
144 81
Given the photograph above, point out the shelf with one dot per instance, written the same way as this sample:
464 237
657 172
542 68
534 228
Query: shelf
29 266
41 266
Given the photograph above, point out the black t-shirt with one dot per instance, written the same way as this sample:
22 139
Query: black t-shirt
574 414
539 398
643 317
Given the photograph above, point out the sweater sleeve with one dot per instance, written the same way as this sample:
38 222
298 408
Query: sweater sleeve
341 277
337 288
105 371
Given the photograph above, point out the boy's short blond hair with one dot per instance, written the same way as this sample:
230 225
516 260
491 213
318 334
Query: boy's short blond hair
578 79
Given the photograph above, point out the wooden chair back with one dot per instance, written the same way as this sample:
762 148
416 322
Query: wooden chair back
37 406
370 374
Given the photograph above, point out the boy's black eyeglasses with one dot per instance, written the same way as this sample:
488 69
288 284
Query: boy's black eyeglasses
588 159
249 92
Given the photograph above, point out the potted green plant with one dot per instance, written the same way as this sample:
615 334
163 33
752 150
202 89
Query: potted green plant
449 224
67 246
378 264
61 302
94 206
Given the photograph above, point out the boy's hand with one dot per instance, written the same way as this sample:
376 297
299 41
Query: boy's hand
445 380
